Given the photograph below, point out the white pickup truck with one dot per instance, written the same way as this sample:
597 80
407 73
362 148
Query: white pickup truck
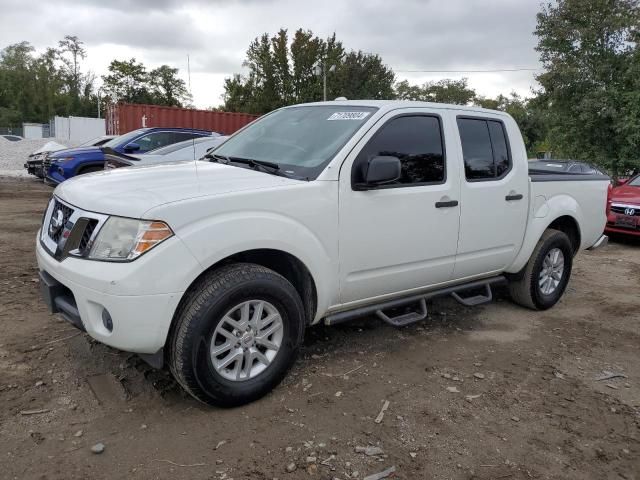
313 213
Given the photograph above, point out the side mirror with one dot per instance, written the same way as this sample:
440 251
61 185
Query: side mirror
131 147
382 170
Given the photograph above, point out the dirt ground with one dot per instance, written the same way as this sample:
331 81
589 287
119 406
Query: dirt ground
493 392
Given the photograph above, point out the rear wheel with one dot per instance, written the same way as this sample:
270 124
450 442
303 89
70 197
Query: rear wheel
237 335
544 279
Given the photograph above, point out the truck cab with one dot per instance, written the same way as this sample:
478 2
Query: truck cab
60 166
313 213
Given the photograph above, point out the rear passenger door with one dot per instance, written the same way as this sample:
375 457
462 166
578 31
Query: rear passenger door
400 236
493 197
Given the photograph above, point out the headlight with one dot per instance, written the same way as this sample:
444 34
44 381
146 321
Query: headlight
125 239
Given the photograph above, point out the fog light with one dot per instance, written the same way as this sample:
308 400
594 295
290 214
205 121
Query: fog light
106 320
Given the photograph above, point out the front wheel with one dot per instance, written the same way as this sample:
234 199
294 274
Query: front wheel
545 276
236 335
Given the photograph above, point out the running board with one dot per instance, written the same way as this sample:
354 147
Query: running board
476 299
406 319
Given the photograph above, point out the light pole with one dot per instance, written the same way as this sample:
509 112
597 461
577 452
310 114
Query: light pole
99 89
321 68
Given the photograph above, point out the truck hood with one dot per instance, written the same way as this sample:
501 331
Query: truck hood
132 191
626 194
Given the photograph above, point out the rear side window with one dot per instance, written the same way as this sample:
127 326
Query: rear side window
416 140
155 140
485 148
181 136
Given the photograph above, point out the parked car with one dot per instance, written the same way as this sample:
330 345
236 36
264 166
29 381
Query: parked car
193 149
66 164
623 207
563 166
34 164
313 213
12 138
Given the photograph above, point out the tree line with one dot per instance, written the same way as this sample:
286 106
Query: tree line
34 88
587 104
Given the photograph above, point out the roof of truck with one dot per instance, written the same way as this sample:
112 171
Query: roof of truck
386 105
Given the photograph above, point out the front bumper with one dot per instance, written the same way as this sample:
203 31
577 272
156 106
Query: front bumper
622 231
53 176
82 290
35 167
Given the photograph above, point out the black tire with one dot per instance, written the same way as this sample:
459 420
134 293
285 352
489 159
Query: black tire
201 312
524 287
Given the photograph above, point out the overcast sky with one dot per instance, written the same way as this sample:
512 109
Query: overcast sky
408 34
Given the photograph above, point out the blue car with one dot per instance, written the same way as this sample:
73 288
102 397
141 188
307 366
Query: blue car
63 165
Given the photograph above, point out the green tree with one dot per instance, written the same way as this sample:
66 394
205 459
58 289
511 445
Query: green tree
447 90
17 90
362 76
127 81
167 88
71 51
589 49
282 73
527 114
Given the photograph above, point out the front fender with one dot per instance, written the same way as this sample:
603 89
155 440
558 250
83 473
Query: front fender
212 239
544 212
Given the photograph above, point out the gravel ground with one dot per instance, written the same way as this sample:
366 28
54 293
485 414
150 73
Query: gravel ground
493 392
14 154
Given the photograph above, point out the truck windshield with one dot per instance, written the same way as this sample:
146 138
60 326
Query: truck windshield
301 140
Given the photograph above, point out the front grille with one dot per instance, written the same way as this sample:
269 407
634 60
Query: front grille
84 243
46 163
58 220
69 231
626 210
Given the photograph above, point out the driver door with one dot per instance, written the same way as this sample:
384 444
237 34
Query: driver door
403 236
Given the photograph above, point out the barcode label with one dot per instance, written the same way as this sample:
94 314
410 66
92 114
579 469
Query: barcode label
348 116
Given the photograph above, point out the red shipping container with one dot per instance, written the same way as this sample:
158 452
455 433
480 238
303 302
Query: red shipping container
125 117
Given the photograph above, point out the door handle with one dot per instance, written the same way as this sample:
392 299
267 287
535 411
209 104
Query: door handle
450 203
517 196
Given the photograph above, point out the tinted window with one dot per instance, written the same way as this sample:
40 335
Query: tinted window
500 148
484 147
416 141
124 139
155 140
476 148
181 136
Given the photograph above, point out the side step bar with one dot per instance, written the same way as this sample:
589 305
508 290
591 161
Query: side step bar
420 299
476 299
407 318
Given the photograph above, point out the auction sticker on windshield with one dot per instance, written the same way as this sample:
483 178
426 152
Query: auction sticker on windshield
348 116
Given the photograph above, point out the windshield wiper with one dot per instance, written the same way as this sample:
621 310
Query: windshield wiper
216 157
264 165
256 163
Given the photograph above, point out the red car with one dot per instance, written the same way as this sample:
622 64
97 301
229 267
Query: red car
623 208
